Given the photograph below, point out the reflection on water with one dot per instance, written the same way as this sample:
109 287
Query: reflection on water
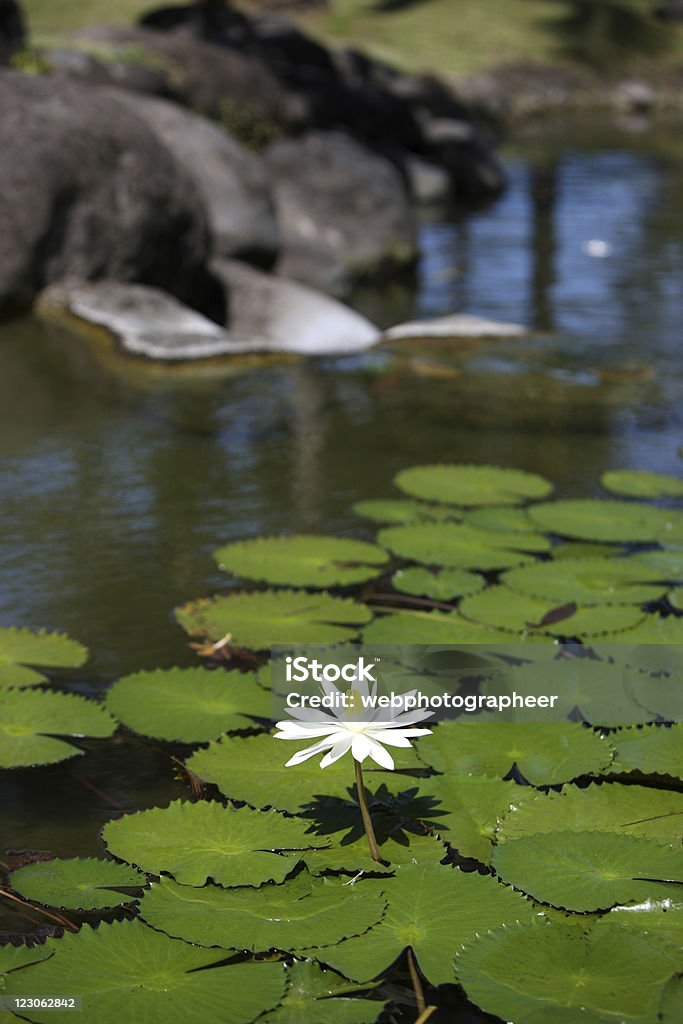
116 485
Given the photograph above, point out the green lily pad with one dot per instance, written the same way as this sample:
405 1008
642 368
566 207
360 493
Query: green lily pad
557 973
253 769
637 483
195 842
467 809
262 618
427 627
587 581
602 807
78 883
191 705
14 957
600 691
581 549
472 485
304 561
403 510
31 721
503 608
589 870
663 917
671 1007
440 586
459 546
676 598
153 978
654 629
545 754
433 909
618 522
314 995
302 912
21 650
505 519
668 565
354 856
652 750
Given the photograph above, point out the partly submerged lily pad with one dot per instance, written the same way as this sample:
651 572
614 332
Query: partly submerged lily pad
615 521
127 965
589 870
440 586
190 705
262 618
78 883
302 912
545 754
472 485
433 909
21 648
32 723
587 581
403 510
195 842
303 561
502 608
555 972
601 807
460 546
638 483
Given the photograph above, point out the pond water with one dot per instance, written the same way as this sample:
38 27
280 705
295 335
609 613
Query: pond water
117 483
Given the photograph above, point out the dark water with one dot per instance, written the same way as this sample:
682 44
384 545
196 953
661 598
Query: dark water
117 483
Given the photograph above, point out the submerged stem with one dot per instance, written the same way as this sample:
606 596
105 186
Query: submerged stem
365 812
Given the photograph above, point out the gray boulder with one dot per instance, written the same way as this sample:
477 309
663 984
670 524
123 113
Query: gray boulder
344 212
232 181
87 191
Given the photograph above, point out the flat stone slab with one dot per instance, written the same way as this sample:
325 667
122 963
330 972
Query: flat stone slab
457 325
267 315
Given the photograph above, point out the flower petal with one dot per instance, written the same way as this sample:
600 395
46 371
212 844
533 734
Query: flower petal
303 755
340 748
381 756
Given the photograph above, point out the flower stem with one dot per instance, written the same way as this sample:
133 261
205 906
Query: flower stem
417 984
365 812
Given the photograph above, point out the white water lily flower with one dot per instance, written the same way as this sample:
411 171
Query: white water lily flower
356 729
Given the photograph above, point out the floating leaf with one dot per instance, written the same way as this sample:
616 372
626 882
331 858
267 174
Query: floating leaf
426 627
502 607
304 561
314 995
676 598
440 586
263 618
467 810
302 912
78 883
588 581
195 842
588 870
654 629
353 856
599 690
433 909
128 966
515 520
545 754
472 485
637 483
14 957
459 546
551 972
653 750
578 549
671 1008
253 769
191 705
662 917
667 564
30 721
603 807
614 521
21 648
402 510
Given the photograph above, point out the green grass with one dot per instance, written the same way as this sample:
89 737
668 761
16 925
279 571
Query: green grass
446 36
